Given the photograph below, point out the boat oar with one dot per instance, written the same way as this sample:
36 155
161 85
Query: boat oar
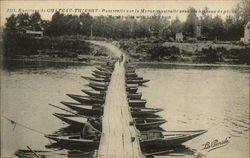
72 112
33 152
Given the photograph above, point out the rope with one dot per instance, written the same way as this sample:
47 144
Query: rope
24 126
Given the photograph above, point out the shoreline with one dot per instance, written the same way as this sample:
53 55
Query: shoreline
94 62
192 64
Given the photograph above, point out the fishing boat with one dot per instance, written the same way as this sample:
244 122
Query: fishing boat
108 65
83 104
130 71
98 84
101 76
86 99
137 103
79 120
104 69
159 139
134 81
128 75
101 94
148 123
104 73
74 142
135 96
131 85
85 110
134 115
132 90
145 111
95 79
134 78
98 88
72 119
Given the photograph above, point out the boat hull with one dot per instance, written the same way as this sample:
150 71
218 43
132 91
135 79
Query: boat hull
75 143
171 141
100 95
137 103
85 110
85 99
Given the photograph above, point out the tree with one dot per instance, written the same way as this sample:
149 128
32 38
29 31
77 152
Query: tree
176 26
217 28
11 23
57 24
23 21
86 21
191 22
35 21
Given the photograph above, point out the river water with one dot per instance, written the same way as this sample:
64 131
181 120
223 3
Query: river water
213 98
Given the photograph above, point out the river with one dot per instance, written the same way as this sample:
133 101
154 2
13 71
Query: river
213 98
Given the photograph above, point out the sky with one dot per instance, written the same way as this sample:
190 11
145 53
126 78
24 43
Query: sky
171 8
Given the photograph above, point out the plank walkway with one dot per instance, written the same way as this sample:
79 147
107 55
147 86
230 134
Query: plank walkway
117 133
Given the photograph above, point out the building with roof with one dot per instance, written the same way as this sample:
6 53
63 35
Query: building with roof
246 38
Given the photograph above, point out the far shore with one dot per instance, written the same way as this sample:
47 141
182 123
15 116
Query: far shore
138 63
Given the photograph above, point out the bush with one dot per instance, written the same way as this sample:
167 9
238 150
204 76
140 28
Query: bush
21 44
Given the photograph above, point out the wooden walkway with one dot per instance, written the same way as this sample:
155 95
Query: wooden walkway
117 134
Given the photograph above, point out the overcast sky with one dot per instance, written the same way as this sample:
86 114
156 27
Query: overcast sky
218 7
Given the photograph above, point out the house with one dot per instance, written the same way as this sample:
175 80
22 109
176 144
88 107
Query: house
35 34
246 38
179 36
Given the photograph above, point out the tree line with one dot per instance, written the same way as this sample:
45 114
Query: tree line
232 28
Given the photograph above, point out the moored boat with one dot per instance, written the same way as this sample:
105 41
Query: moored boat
129 75
72 119
137 103
145 111
131 85
86 99
148 123
98 88
104 69
135 96
85 110
74 142
132 90
134 81
102 73
101 76
134 78
79 121
159 139
99 84
130 71
95 94
95 79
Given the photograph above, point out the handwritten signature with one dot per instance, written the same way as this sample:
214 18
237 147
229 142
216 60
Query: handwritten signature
215 144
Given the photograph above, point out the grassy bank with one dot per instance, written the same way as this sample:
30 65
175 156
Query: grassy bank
76 49
191 53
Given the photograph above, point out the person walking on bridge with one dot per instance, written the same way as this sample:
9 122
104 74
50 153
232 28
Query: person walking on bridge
120 59
89 132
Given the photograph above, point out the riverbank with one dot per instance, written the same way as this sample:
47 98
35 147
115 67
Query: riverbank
225 53
143 52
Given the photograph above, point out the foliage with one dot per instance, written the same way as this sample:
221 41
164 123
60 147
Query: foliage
129 27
